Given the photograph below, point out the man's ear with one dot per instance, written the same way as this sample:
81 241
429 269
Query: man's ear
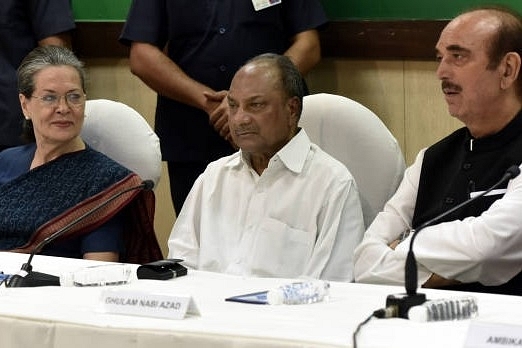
293 105
511 68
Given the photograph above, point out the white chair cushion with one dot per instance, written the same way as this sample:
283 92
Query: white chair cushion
122 134
354 135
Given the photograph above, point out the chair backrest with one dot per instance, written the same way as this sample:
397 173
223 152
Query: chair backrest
121 133
354 135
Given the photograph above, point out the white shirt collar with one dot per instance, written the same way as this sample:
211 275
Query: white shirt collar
293 155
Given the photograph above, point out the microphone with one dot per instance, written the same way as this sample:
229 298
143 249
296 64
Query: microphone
27 278
403 302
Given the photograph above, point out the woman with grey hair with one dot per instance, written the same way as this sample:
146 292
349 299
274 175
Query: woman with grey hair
55 178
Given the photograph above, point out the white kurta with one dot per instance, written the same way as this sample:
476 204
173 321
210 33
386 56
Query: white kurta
301 218
485 249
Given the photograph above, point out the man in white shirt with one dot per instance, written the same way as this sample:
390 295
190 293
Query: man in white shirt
280 206
477 247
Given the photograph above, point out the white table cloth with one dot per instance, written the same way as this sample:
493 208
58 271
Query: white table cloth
57 317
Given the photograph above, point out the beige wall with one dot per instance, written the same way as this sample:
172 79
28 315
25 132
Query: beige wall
405 94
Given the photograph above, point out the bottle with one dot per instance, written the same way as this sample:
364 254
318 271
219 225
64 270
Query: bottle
457 308
100 275
299 293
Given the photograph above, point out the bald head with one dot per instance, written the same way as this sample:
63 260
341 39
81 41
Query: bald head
501 27
285 73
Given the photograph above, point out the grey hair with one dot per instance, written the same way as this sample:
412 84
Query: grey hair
292 81
44 57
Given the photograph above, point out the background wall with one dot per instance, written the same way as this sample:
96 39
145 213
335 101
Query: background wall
405 9
116 10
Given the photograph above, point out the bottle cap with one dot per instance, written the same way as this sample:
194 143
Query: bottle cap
418 313
67 279
275 297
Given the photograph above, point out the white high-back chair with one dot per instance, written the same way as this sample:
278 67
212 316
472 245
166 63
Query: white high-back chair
121 133
354 135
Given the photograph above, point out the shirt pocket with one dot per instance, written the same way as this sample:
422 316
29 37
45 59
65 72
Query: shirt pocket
189 18
280 250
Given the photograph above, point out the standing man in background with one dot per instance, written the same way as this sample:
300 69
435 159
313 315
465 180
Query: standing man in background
23 26
188 51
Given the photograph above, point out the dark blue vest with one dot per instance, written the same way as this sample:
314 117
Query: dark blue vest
458 165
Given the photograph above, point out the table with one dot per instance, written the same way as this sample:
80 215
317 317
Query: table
57 317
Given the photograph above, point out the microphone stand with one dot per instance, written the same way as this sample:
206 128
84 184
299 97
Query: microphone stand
403 302
27 278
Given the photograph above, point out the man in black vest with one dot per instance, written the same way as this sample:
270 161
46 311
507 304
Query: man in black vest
478 247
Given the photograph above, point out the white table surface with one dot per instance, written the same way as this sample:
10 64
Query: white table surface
58 317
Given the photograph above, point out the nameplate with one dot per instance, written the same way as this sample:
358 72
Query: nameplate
147 304
490 335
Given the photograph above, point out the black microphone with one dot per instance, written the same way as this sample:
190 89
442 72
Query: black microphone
403 302
27 278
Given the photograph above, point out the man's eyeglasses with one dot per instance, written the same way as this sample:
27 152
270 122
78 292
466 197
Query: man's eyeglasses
73 99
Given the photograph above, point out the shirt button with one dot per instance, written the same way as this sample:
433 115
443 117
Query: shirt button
222 68
466 166
222 30
449 200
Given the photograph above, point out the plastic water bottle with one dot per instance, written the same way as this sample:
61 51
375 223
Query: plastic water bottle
100 275
299 293
445 309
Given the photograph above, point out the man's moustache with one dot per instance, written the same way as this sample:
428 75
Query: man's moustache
451 86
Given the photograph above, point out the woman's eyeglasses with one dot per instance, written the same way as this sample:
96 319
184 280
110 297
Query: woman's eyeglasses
72 99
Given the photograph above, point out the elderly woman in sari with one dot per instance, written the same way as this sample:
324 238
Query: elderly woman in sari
55 178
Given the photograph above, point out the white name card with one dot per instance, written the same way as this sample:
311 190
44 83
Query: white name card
147 304
491 335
